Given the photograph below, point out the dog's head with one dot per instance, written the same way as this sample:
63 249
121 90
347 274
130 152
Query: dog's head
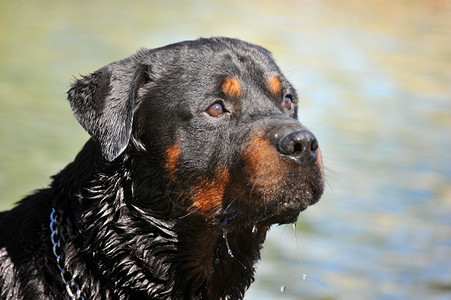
214 121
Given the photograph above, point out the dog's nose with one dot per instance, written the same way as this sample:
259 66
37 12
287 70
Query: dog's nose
301 146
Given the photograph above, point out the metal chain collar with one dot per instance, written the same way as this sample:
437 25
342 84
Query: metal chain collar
72 288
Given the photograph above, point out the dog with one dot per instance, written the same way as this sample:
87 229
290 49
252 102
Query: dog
195 151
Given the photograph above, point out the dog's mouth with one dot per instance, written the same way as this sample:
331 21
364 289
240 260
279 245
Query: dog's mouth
275 193
278 205
279 186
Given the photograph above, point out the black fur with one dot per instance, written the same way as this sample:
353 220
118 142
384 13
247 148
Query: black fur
166 201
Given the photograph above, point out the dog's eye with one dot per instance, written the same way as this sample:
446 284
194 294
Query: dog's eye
216 110
288 102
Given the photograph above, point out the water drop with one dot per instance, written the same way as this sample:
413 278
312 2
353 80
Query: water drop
304 276
229 251
282 288
294 225
254 229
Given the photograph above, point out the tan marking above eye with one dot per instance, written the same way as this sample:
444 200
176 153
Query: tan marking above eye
274 85
231 87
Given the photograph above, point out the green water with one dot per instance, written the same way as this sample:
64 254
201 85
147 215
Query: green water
375 82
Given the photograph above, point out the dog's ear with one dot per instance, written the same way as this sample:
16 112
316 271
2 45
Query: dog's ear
104 101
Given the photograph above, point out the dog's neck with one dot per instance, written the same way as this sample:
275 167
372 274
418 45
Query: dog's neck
132 250
215 264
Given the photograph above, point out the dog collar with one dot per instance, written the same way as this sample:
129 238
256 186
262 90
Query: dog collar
72 288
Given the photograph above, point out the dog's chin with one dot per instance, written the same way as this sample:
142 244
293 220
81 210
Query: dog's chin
279 212
286 208
288 212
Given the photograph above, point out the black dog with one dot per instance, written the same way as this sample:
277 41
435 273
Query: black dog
195 152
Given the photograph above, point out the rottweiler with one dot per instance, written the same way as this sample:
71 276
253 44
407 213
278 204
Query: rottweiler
195 151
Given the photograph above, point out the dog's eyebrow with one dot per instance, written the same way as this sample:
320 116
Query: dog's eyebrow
274 84
231 87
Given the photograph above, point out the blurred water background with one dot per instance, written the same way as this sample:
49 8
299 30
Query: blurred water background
375 83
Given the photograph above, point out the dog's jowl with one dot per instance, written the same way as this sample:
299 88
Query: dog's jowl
195 151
